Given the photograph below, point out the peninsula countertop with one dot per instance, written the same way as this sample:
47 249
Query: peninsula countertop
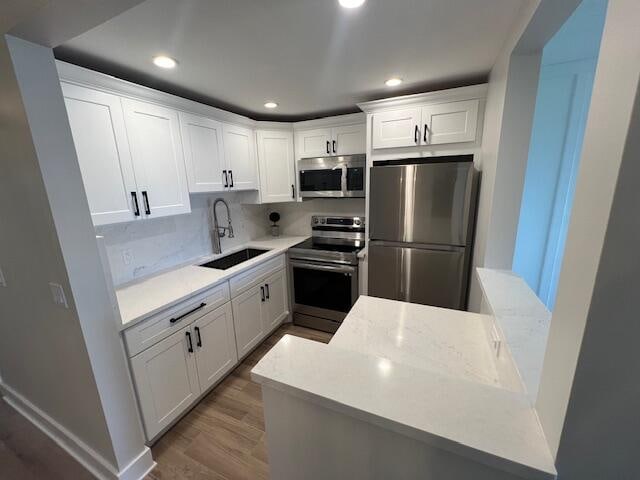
148 296
399 366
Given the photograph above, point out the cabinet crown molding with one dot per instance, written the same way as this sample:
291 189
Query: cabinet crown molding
335 121
442 96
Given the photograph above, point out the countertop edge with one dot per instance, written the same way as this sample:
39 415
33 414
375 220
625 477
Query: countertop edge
481 456
260 242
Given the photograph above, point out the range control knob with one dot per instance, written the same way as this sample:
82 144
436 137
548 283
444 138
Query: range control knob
357 222
323 221
315 220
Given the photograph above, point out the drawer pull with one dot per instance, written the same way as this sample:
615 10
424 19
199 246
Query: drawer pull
177 319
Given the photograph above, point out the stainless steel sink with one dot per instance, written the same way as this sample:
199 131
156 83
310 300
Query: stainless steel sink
234 259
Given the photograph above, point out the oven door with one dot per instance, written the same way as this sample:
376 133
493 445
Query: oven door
322 182
323 291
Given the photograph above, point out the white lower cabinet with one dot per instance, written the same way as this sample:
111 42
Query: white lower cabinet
166 380
277 301
247 318
215 345
176 371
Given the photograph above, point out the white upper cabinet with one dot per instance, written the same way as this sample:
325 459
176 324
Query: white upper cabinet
277 167
98 129
454 122
158 160
314 143
396 128
339 140
203 153
438 124
239 149
349 139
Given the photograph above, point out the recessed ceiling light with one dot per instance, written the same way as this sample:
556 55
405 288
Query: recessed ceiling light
351 3
271 104
163 61
393 82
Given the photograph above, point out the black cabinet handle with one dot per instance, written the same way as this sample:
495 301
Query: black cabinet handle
334 146
188 334
145 199
426 131
231 178
199 339
293 191
416 135
176 319
266 286
262 293
136 207
328 146
226 179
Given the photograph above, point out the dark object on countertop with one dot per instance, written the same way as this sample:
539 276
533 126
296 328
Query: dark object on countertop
275 218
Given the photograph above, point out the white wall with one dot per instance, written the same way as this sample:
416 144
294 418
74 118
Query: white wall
67 363
584 274
492 132
162 243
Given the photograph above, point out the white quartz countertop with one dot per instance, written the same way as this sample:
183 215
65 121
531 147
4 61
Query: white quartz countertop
146 297
424 372
523 320
438 339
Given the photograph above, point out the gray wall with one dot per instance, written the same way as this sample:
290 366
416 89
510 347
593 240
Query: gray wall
69 363
601 434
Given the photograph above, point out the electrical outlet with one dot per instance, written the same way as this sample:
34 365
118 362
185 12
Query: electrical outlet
57 292
127 256
3 282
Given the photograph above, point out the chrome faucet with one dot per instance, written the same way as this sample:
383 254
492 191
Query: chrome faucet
218 231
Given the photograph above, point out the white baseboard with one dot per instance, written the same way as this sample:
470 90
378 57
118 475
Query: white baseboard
74 446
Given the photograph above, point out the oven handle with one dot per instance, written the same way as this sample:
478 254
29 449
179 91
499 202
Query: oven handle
326 268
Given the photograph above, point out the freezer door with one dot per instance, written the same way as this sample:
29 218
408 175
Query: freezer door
419 275
429 203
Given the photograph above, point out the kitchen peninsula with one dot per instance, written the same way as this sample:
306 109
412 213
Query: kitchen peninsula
412 389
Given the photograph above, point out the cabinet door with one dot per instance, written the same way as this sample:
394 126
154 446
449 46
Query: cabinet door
239 149
247 319
277 304
158 161
99 135
349 139
203 153
277 168
166 380
398 128
314 143
215 345
454 122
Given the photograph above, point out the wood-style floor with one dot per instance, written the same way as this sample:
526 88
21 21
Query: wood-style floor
222 438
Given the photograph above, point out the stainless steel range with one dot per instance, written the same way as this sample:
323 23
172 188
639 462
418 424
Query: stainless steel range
324 270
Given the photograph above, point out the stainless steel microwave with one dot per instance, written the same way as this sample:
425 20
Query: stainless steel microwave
332 177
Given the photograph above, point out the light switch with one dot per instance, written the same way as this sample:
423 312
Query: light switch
3 282
59 297
127 256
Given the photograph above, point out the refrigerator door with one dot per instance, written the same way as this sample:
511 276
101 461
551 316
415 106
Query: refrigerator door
430 276
427 203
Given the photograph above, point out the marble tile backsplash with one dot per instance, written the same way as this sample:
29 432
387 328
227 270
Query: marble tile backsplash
296 217
139 249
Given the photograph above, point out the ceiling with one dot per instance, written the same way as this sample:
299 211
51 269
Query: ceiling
311 56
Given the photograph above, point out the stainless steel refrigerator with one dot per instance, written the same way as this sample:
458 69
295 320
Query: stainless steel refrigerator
422 217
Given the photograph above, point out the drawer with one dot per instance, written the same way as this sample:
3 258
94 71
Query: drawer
245 280
159 326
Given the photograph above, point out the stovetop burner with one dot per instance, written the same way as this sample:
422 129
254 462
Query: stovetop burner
314 244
